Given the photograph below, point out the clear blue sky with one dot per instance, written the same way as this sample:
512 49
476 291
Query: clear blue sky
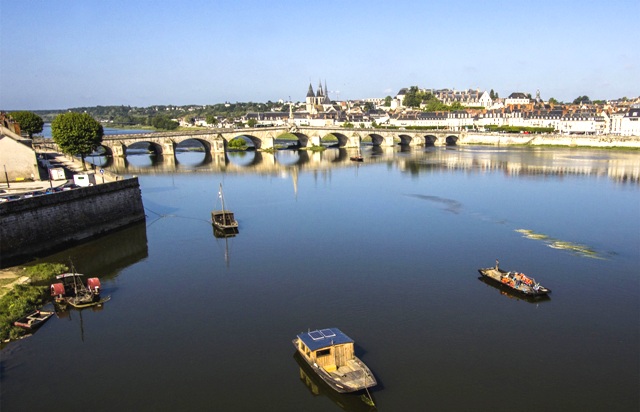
61 54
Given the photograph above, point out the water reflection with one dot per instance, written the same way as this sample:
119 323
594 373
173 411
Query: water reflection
106 256
354 402
619 166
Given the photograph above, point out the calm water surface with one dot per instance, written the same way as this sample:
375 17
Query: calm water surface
386 250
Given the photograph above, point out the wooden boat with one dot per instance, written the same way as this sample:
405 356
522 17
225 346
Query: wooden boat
33 320
357 158
515 280
330 354
512 294
73 291
224 220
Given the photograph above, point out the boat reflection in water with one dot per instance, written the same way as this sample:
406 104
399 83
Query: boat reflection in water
346 401
225 234
508 292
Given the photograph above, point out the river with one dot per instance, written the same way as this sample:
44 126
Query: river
386 250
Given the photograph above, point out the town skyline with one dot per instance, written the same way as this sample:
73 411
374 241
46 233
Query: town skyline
64 55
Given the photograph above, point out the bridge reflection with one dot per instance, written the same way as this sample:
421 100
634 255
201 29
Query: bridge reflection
618 166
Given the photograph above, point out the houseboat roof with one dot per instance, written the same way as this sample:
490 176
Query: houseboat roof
323 338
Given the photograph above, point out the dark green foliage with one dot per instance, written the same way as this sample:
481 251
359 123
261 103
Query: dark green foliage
29 122
581 100
387 101
77 134
238 144
164 122
413 98
212 119
44 271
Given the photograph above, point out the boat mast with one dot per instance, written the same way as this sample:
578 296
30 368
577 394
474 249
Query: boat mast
221 199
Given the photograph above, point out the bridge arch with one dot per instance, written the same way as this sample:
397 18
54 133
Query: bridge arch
303 139
331 140
141 146
452 140
405 139
188 143
255 141
376 139
430 140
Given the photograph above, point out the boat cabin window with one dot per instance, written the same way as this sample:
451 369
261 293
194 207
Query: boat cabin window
323 352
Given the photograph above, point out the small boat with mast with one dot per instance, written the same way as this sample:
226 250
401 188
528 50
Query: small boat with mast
72 290
357 157
224 220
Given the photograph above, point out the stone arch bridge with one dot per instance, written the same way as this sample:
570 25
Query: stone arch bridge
263 138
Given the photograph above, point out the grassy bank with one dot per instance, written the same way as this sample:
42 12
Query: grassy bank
24 290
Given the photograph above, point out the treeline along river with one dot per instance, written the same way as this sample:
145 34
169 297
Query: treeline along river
388 251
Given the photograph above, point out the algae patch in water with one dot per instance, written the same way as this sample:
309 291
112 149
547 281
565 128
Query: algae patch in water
575 248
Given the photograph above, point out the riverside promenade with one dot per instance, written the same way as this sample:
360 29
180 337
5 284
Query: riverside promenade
70 164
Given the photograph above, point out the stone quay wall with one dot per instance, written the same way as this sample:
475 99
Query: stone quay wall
33 226
506 139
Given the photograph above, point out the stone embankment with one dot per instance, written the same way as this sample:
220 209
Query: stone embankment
33 226
509 139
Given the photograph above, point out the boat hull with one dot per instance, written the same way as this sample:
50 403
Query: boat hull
80 303
508 280
334 380
224 221
33 320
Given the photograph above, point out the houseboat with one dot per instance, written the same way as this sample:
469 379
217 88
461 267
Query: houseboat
330 354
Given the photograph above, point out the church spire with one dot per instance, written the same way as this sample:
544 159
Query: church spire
327 100
310 92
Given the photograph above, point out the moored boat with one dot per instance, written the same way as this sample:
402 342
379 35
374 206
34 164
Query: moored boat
330 354
357 157
515 280
33 320
224 220
72 290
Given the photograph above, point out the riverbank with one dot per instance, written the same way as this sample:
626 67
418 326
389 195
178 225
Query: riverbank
21 292
552 140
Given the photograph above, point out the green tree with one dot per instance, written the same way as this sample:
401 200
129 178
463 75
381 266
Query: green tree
387 101
492 94
77 134
581 100
212 119
252 122
412 98
238 144
553 101
164 122
29 122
